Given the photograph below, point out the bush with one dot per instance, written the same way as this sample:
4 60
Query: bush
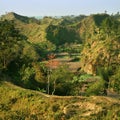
96 88
115 80
55 107
76 59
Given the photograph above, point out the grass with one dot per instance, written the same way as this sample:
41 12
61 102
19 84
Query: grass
22 104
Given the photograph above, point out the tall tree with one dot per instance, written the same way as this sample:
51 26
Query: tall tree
9 43
110 27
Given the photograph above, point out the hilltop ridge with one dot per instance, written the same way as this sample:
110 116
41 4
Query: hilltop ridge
14 16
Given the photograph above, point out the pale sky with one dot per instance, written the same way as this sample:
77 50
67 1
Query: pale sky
58 7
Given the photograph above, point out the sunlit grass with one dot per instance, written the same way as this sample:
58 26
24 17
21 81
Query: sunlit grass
18 103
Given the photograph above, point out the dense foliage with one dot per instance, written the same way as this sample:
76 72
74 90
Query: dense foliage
60 35
10 41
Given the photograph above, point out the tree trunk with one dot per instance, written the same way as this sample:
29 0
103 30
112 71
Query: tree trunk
54 87
48 86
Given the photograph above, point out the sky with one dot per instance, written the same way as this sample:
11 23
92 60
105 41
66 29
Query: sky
58 7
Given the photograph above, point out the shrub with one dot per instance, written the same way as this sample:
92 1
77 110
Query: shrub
96 88
115 80
55 107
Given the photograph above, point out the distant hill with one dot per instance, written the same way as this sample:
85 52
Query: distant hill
14 16
35 29
38 17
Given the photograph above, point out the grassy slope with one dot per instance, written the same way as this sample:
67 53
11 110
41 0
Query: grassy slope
20 104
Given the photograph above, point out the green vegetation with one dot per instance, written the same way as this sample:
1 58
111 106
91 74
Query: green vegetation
73 57
9 43
19 104
60 35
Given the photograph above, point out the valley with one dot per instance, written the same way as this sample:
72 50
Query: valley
65 68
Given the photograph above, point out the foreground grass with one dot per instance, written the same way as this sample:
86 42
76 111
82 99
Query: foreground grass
20 104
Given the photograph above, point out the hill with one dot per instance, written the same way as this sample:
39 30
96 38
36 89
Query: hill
28 26
101 42
37 30
18 103
14 16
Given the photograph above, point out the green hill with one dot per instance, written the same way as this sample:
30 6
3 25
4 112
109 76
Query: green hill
30 27
36 30
14 16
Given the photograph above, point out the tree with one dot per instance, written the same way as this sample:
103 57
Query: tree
9 43
51 65
58 77
110 27
105 74
115 80
60 80
60 35
29 53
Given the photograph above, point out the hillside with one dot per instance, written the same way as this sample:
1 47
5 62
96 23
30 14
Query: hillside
90 25
36 30
17 103
100 49
28 26
15 16
60 68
